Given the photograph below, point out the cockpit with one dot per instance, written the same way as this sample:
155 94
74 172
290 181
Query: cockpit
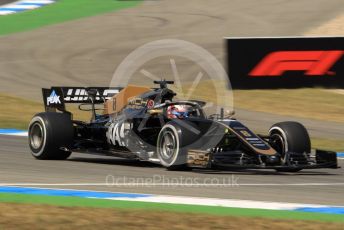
183 110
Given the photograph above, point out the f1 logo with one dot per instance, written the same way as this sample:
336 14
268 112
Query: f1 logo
314 63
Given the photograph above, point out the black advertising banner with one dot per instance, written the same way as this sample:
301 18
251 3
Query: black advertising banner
286 62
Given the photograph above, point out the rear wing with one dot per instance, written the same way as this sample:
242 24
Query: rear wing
56 97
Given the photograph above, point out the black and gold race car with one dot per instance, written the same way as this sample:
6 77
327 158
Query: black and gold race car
149 125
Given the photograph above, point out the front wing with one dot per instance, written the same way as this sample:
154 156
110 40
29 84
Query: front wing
230 160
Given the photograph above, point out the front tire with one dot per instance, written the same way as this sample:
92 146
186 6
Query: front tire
173 143
169 150
290 136
50 136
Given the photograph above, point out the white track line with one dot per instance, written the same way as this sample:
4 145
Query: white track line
19 134
171 184
3 12
233 203
39 1
23 5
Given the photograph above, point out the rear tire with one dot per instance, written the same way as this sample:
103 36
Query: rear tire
50 133
290 136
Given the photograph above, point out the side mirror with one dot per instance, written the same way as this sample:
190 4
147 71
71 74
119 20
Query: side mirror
231 113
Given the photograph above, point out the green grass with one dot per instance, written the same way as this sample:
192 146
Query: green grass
319 104
224 211
328 144
61 11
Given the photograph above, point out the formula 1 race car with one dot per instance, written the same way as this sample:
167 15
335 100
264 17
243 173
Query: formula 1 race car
147 124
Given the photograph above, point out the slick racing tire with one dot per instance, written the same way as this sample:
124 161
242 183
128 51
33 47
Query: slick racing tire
50 136
172 143
290 136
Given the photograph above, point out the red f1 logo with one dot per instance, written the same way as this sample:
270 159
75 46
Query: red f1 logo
314 63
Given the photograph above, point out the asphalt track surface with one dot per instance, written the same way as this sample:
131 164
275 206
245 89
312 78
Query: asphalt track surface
87 51
322 186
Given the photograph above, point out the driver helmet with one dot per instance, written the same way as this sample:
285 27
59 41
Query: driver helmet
177 111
